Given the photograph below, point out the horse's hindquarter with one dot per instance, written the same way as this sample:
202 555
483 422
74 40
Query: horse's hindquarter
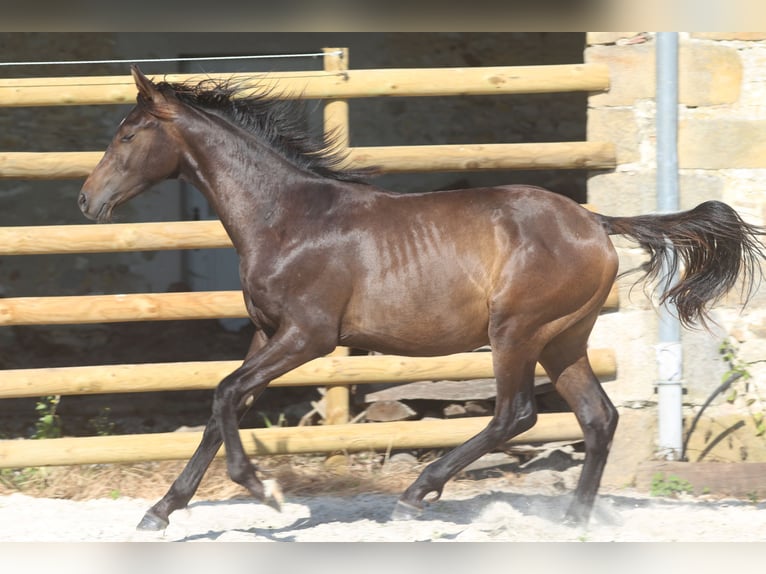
428 268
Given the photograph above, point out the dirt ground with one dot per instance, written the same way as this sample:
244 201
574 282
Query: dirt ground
496 501
513 496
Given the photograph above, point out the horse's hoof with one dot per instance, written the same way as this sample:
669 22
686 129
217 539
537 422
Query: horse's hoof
405 511
152 522
272 495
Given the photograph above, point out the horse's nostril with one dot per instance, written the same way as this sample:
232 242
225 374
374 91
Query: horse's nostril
82 201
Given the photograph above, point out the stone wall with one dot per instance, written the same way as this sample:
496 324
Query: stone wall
722 134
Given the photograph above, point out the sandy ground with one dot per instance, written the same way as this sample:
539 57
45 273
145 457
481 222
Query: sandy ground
496 509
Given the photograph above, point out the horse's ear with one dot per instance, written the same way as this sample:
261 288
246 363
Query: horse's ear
145 86
149 92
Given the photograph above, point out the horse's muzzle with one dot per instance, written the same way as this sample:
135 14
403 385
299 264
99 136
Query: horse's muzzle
100 211
82 201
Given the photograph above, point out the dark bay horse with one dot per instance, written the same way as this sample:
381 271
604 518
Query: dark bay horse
326 260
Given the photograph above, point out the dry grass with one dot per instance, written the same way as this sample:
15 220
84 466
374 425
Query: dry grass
297 475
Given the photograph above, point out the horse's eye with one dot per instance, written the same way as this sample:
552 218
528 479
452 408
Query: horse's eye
127 138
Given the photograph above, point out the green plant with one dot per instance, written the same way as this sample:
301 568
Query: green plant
281 420
20 478
749 393
737 372
101 423
48 423
670 486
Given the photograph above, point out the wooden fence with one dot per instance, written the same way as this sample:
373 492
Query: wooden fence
335 84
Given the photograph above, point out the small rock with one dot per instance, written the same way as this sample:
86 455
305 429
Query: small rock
185 428
388 411
337 463
454 411
557 459
492 464
399 462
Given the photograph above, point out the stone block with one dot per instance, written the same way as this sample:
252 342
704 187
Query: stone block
593 38
622 193
634 442
742 36
631 73
722 143
634 193
709 74
616 125
726 438
694 188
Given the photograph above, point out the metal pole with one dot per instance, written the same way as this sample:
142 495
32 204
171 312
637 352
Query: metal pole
669 354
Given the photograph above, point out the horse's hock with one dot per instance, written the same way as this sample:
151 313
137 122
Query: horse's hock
722 80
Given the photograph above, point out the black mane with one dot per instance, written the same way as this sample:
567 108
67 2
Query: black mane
275 121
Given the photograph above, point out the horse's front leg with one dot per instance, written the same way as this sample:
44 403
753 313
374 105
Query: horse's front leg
184 487
289 348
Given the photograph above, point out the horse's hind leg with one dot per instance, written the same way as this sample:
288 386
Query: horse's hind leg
184 487
515 412
566 361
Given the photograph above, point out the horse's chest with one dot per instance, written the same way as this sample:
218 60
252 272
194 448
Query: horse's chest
273 285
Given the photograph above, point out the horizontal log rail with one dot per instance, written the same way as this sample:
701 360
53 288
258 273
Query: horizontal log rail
385 159
275 440
114 238
75 309
362 83
529 156
201 375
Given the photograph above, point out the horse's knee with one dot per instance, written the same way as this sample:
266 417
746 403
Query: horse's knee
600 424
609 419
230 392
506 426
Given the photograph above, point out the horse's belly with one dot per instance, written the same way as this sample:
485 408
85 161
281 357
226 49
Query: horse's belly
391 344
417 325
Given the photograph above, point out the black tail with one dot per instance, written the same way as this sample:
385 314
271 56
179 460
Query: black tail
711 243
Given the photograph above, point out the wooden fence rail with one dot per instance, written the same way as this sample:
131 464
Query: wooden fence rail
76 309
329 84
380 437
200 375
113 238
529 156
390 159
122 308
116 237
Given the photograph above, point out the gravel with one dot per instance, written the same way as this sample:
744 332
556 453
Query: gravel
489 509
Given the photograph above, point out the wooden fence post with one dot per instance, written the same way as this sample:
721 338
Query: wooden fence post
336 132
336 128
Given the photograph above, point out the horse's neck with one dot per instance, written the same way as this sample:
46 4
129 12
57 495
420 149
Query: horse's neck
248 188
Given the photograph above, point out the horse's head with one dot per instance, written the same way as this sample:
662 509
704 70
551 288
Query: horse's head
143 152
